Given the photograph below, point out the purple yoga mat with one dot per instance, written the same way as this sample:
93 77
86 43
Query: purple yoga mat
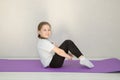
101 66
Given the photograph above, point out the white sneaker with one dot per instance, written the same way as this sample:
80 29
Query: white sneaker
87 63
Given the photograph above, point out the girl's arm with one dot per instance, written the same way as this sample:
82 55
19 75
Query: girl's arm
61 53
55 44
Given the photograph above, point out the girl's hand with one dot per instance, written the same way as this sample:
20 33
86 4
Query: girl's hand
69 57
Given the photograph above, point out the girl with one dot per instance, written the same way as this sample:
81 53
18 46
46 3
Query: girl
53 56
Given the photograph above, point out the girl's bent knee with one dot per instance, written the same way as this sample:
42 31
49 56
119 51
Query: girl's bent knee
68 40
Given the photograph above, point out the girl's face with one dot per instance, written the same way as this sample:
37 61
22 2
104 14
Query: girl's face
45 31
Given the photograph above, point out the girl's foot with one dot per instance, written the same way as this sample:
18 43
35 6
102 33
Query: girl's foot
86 62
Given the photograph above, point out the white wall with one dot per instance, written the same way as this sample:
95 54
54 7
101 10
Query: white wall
92 24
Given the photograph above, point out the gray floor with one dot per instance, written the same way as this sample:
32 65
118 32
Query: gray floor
58 76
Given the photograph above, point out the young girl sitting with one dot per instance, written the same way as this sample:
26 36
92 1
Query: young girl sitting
53 56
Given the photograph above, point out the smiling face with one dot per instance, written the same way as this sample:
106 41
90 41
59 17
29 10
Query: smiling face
45 31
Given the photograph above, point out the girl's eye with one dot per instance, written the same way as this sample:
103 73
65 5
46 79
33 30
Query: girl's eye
47 30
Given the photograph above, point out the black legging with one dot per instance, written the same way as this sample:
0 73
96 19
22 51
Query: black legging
67 45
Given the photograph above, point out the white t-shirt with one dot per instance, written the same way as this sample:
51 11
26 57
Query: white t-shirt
45 51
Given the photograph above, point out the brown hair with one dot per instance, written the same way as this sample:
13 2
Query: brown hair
41 25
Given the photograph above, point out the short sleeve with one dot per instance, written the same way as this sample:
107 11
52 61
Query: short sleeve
46 45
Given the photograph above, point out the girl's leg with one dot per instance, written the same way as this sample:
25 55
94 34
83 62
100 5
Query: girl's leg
76 52
67 45
70 46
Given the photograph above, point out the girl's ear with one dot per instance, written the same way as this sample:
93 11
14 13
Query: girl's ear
39 32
